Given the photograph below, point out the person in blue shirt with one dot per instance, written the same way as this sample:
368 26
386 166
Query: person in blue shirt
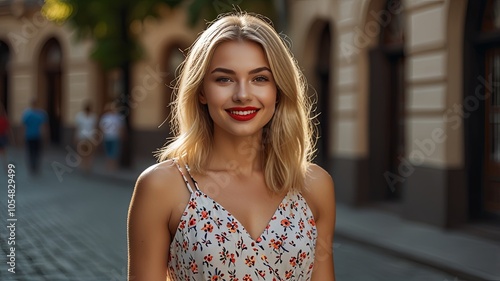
34 121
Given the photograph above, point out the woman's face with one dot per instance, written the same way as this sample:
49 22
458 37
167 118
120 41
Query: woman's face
239 89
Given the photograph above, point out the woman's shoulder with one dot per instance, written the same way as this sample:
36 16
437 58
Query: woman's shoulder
319 189
161 179
159 174
318 178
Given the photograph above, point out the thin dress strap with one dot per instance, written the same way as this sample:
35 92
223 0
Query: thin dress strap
192 179
184 177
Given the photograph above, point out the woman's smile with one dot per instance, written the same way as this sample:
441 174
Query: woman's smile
242 113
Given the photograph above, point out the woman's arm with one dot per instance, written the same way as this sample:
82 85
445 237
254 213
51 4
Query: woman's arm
149 215
321 195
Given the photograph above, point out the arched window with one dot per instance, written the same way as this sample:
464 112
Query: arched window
387 105
50 90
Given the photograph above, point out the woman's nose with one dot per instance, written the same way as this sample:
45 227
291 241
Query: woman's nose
242 93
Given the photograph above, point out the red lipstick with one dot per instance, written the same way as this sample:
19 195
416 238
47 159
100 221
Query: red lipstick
242 113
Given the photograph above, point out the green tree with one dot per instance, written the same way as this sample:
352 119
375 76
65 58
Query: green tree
108 23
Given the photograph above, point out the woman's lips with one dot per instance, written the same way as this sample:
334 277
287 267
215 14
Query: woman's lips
242 113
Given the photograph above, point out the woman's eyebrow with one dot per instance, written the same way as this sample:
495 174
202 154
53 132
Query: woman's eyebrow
229 71
260 69
223 70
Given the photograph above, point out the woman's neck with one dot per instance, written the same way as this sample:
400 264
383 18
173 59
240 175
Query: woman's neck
242 155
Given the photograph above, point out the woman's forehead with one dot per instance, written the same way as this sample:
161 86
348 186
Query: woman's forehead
239 55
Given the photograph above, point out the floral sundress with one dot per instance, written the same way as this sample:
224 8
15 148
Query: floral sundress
211 244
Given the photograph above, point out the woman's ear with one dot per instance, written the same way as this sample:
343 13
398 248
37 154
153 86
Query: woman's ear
202 98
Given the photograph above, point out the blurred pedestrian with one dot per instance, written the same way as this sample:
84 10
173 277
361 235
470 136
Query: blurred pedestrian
6 135
34 120
85 135
235 196
112 125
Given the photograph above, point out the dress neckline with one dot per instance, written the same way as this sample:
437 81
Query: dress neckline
243 228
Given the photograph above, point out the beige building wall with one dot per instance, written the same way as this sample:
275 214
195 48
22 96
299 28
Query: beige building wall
434 75
304 35
26 36
150 80
351 86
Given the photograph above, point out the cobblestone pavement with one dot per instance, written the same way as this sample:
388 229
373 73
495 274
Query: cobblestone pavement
358 262
75 229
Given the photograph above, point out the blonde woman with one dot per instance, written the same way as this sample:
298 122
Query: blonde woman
235 196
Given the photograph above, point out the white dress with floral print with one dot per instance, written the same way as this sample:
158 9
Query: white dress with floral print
210 244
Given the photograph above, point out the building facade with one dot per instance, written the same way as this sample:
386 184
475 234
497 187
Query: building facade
410 111
409 101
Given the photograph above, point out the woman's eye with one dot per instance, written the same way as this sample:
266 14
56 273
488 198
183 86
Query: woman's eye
261 79
223 80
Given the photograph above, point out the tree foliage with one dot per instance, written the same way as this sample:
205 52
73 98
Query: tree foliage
108 22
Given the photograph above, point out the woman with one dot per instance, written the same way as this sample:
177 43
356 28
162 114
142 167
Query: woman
85 133
235 196
111 125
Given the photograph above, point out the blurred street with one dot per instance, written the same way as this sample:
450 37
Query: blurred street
75 229
72 229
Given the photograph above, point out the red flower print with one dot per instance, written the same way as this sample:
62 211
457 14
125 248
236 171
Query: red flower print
285 222
194 266
301 224
204 214
250 261
182 225
247 278
231 258
232 226
288 274
240 245
218 275
312 222
262 273
263 257
208 227
221 238
192 204
276 244
192 222
293 261
208 258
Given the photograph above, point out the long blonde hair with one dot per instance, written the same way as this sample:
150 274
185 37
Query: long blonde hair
287 141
